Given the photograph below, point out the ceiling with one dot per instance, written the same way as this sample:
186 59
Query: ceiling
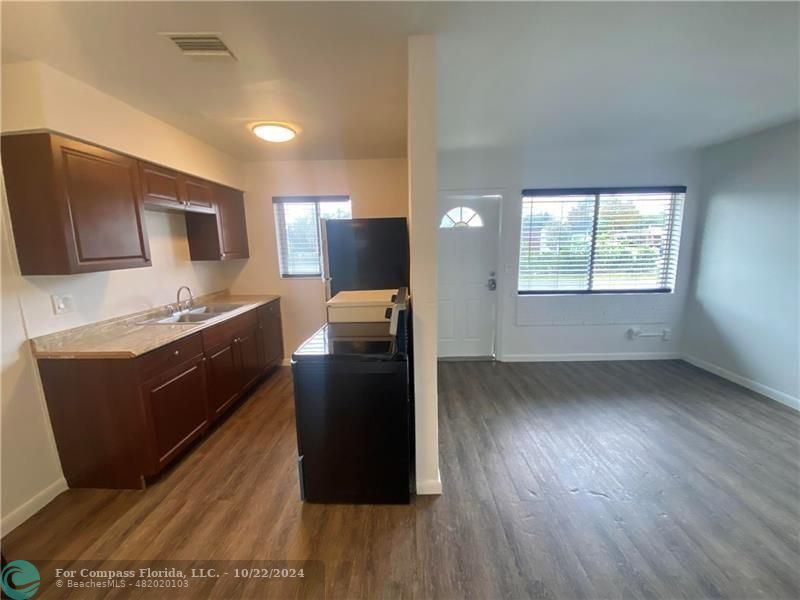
641 75
338 74
536 76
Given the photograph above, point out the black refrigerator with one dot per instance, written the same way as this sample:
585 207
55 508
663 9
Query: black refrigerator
353 382
364 254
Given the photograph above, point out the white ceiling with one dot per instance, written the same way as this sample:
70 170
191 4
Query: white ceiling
531 75
339 74
606 75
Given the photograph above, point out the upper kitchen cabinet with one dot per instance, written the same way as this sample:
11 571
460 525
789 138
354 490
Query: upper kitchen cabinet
75 208
163 188
199 195
221 236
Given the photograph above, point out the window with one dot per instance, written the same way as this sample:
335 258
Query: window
297 230
461 216
600 240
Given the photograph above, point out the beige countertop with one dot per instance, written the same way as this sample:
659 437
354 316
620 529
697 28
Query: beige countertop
128 336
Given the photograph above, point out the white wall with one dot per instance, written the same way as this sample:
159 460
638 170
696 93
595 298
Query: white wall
35 96
589 327
742 312
377 188
30 474
422 174
108 294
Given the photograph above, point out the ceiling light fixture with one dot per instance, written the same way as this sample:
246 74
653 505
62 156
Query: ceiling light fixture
274 132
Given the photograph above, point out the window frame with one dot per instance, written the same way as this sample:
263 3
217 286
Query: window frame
461 223
597 192
280 234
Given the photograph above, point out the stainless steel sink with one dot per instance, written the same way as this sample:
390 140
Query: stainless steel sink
214 308
198 314
186 318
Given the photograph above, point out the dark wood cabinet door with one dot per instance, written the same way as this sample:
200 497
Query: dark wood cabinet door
178 410
225 378
232 224
221 235
271 334
104 206
199 195
75 208
168 189
161 187
250 356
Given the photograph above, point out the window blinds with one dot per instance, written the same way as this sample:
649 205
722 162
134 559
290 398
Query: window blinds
583 241
297 231
297 225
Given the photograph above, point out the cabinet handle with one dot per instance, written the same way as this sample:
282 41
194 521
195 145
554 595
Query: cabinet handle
177 352
222 255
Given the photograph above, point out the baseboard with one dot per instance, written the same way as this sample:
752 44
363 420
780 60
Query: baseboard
429 487
760 388
22 513
588 356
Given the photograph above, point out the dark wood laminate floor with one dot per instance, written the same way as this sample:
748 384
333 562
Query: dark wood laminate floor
562 480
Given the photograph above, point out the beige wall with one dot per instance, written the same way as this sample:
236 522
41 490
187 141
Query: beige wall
377 188
35 96
422 186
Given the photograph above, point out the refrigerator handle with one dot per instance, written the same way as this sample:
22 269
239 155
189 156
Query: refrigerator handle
326 270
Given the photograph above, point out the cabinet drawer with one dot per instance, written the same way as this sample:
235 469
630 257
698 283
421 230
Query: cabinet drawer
156 362
225 332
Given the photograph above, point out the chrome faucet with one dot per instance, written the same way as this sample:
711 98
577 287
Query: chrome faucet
189 302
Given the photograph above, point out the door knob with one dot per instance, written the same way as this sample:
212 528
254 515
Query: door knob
492 283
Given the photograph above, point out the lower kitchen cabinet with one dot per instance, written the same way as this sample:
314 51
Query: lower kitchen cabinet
176 407
118 421
249 356
232 359
224 378
270 334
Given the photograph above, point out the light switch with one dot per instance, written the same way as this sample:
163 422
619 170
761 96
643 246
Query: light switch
62 304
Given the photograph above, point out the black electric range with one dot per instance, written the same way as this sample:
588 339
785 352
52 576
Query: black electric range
354 414
349 341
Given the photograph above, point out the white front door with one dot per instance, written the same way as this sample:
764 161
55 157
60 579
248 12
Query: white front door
467 237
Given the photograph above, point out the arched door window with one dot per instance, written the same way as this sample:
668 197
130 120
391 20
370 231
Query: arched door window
460 216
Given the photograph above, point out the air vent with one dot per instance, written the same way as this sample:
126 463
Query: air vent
201 45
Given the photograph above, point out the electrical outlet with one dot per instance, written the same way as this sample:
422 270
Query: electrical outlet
62 304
